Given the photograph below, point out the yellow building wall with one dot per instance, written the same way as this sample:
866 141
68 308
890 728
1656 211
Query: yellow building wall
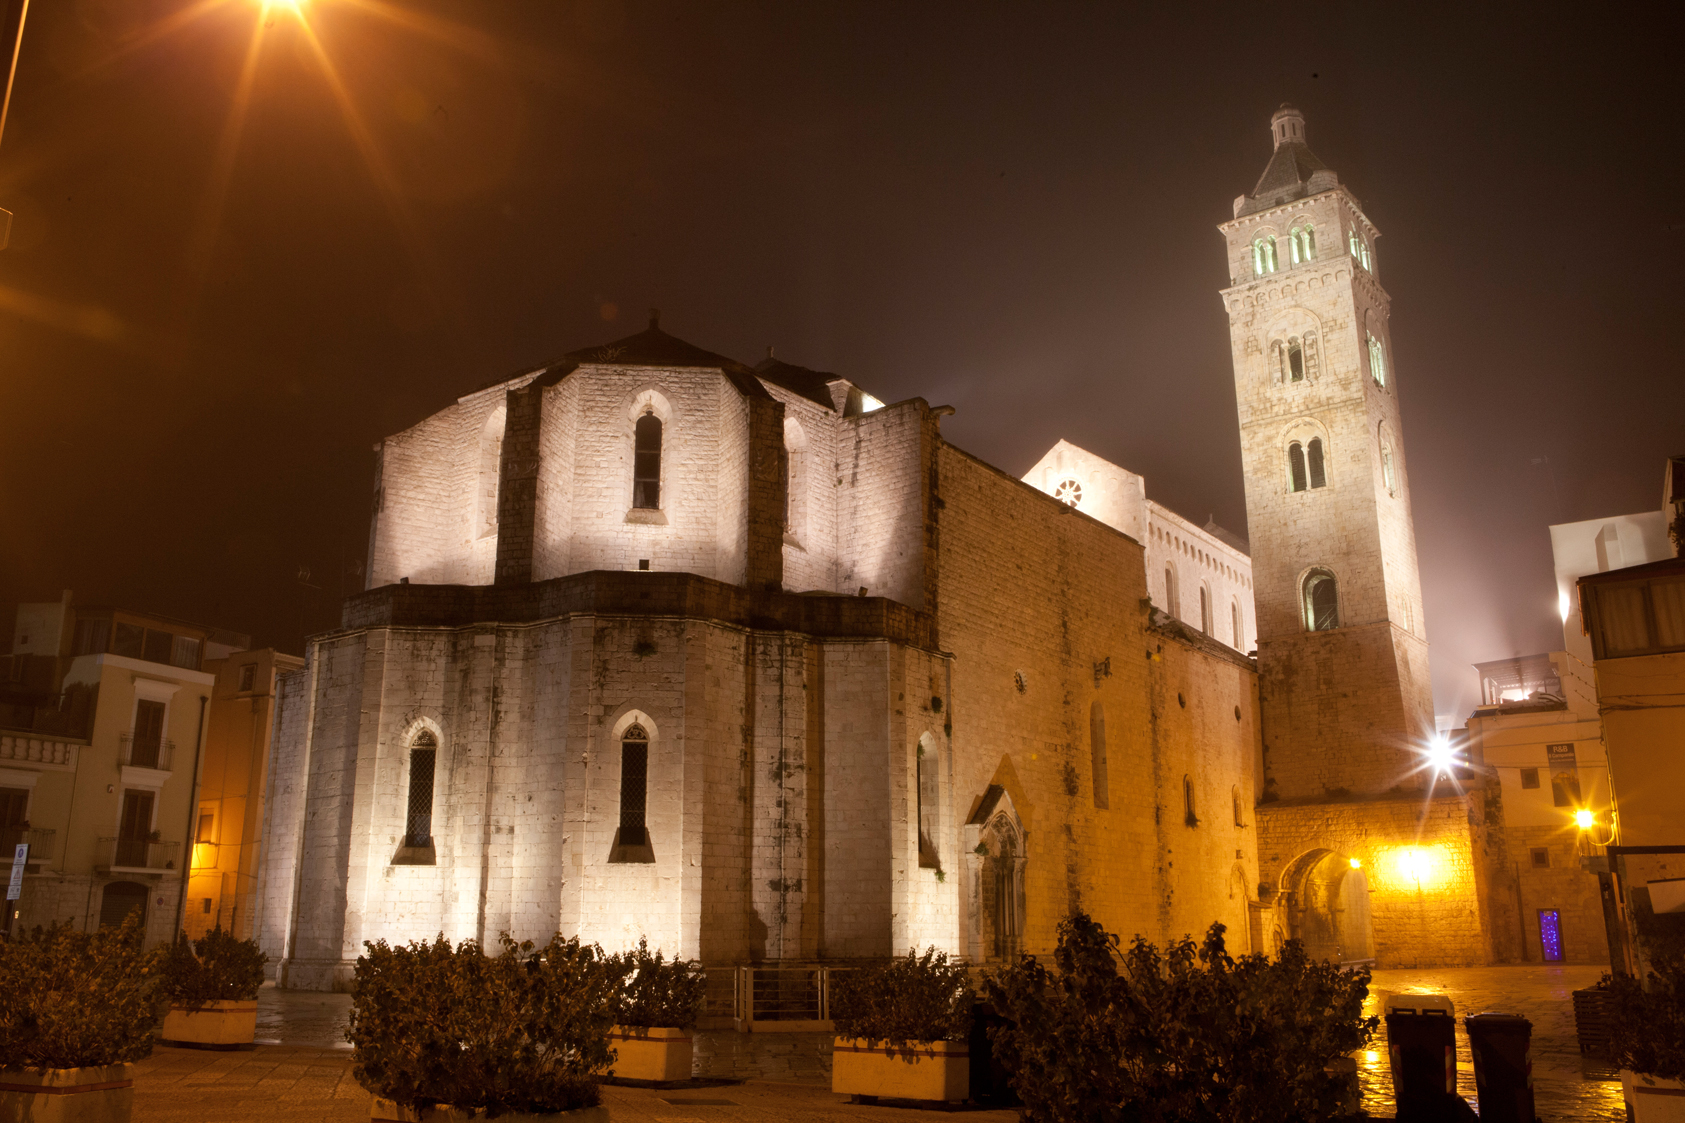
1643 701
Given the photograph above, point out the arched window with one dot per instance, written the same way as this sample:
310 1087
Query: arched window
929 804
1170 602
1263 255
646 462
1363 251
491 462
418 819
1310 354
1307 239
1295 360
1377 361
1234 618
1189 815
1278 361
1295 467
1389 473
1205 610
795 490
1293 242
1234 795
634 786
1313 455
1351 244
1322 601
1097 750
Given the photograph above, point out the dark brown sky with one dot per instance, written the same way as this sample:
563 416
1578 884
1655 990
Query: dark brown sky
1006 208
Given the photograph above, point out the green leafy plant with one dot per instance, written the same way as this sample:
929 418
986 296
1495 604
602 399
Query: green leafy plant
523 1030
217 967
1647 1030
914 998
660 992
77 999
1184 1036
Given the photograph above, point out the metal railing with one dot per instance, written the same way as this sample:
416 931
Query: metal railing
136 753
136 854
792 998
40 842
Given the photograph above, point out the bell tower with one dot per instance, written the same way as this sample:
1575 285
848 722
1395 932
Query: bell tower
1342 651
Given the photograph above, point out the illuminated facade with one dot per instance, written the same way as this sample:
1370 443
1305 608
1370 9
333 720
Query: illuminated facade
1366 855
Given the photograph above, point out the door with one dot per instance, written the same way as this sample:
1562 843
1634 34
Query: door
118 900
149 734
135 830
14 802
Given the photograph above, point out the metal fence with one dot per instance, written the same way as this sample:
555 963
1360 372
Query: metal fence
788 998
40 842
136 854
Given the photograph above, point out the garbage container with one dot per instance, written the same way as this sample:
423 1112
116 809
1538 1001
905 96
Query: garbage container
1503 1072
1422 1045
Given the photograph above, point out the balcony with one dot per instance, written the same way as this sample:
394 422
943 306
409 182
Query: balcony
135 855
40 843
136 752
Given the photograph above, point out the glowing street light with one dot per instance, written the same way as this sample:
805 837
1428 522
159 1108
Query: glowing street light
1441 756
1584 819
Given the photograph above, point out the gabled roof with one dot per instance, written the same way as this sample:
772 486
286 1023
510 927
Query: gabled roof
653 347
814 385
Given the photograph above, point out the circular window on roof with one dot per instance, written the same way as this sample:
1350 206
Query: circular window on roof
1068 492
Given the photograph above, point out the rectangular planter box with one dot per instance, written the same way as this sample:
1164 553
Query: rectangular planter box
218 1025
659 1053
925 1070
1652 1099
66 1095
385 1111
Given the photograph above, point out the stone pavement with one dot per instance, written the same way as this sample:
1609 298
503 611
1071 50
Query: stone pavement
308 1062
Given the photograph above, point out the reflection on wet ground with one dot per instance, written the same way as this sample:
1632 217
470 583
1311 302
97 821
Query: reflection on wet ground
1565 1088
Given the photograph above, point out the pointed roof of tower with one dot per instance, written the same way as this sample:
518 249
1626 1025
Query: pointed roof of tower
1293 172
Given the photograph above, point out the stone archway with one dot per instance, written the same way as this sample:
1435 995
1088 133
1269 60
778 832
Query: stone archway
996 851
1327 906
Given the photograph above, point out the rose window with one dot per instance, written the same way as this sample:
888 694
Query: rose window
1069 492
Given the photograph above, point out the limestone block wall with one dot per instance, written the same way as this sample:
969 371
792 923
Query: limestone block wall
810 542
429 496
880 504
1561 885
1426 863
1046 613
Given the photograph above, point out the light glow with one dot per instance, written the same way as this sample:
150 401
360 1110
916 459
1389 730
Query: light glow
1440 754
1418 867
1562 603
1584 819
1357 863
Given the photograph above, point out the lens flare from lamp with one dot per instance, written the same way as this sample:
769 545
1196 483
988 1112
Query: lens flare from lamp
1357 863
1440 754
1584 819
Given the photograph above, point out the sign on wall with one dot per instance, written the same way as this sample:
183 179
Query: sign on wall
1564 775
20 858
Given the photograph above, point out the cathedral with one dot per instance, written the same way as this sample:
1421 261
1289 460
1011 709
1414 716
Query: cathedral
748 663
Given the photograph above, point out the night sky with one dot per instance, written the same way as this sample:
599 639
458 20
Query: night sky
207 316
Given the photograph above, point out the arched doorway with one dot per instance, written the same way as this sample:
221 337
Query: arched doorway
995 853
118 899
1328 907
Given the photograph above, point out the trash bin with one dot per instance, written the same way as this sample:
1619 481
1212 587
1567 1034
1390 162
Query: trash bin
1422 1046
1503 1072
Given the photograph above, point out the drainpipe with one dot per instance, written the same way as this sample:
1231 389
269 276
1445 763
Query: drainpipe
192 818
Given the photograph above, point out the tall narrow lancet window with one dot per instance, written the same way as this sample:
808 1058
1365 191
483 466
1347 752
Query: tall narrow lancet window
1313 455
418 823
646 463
1097 751
1377 361
491 463
1190 813
1296 467
929 804
1205 610
1307 242
1389 472
1322 601
1295 360
1234 619
1263 255
1170 602
634 786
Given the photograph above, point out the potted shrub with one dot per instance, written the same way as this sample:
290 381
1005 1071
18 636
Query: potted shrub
212 985
902 1029
660 1002
446 1033
1647 1024
1186 1033
78 1009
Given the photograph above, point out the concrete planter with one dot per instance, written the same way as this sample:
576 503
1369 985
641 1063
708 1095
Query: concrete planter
925 1070
217 1025
385 1111
67 1095
1653 1099
656 1053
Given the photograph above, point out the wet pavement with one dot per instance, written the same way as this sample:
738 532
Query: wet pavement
311 1027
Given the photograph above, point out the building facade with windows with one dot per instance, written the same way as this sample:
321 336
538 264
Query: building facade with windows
101 728
756 668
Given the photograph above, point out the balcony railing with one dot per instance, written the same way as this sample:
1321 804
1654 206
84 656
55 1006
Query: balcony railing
137 753
40 843
136 854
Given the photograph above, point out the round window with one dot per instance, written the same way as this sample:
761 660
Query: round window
1069 492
